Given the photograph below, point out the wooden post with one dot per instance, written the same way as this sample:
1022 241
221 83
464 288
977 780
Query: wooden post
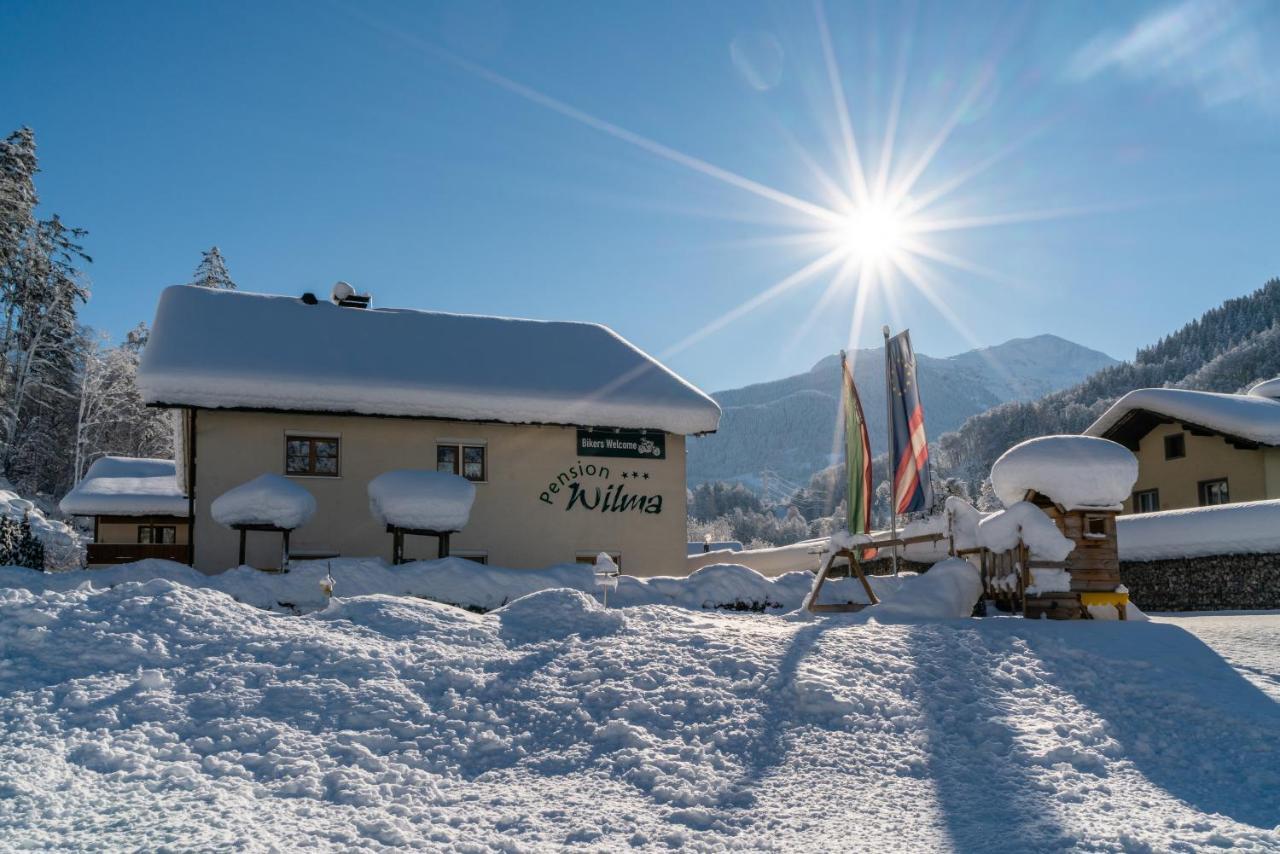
443 551
242 533
397 547
284 558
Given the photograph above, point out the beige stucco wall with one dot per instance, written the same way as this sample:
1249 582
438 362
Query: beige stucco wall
517 518
1208 458
127 532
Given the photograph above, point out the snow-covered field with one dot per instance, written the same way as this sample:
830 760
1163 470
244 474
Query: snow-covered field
160 715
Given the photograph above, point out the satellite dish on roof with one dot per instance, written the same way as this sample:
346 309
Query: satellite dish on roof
345 295
342 291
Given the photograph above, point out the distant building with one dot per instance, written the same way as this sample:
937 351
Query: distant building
574 437
137 508
1197 448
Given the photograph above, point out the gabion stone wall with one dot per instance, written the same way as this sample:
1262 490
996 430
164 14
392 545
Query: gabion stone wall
1214 583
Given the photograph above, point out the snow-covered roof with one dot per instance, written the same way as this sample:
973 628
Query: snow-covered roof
1268 389
1250 417
127 486
1076 472
268 499
231 349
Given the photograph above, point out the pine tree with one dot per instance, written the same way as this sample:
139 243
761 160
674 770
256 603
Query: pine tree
10 534
30 550
212 271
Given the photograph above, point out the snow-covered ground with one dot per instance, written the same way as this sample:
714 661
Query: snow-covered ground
161 715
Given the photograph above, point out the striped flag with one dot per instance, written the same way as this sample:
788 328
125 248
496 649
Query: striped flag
909 449
857 458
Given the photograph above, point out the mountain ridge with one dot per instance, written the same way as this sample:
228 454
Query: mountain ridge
788 425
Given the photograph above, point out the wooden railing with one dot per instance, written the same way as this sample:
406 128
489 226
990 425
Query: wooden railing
109 553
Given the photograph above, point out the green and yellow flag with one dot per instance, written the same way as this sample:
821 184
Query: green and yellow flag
857 457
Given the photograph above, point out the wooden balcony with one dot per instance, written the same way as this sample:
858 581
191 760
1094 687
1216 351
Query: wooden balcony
109 553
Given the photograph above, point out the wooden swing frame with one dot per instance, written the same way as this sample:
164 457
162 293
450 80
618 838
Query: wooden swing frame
855 566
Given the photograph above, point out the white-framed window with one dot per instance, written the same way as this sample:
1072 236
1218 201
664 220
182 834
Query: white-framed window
469 459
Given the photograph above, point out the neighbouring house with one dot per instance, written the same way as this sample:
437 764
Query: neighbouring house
574 438
138 510
1196 448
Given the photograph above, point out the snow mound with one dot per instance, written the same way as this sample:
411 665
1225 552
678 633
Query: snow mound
421 499
554 614
269 499
148 713
127 486
1251 527
1077 472
1024 522
948 591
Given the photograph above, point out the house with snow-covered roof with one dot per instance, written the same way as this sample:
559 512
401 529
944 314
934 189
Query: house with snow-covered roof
1197 448
137 508
573 436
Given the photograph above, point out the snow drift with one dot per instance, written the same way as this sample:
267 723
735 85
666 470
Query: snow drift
153 715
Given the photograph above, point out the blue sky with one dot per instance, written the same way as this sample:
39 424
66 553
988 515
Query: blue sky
412 149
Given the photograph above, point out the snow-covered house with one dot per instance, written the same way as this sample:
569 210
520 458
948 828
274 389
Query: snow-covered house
573 436
1198 448
137 507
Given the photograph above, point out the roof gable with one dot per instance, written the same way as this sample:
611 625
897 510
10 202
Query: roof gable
1243 420
231 349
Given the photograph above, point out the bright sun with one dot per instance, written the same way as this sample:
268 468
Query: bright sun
872 233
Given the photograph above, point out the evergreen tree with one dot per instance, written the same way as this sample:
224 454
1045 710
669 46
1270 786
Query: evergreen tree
212 271
30 552
10 536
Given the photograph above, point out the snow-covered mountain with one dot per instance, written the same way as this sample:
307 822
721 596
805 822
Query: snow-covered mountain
789 425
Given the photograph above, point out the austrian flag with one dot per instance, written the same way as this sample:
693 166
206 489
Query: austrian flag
909 450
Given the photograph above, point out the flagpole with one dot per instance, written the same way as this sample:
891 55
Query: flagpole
889 467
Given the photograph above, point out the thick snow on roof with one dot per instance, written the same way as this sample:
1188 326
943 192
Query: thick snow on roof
1269 389
422 499
1251 527
218 348
127 486
1075 471
268 499
1248 416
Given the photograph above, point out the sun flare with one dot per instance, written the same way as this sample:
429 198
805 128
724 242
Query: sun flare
872 233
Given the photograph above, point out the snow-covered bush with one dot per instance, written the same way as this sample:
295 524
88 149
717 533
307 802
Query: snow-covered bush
62 546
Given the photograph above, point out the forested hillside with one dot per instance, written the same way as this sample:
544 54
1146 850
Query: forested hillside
1228 349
